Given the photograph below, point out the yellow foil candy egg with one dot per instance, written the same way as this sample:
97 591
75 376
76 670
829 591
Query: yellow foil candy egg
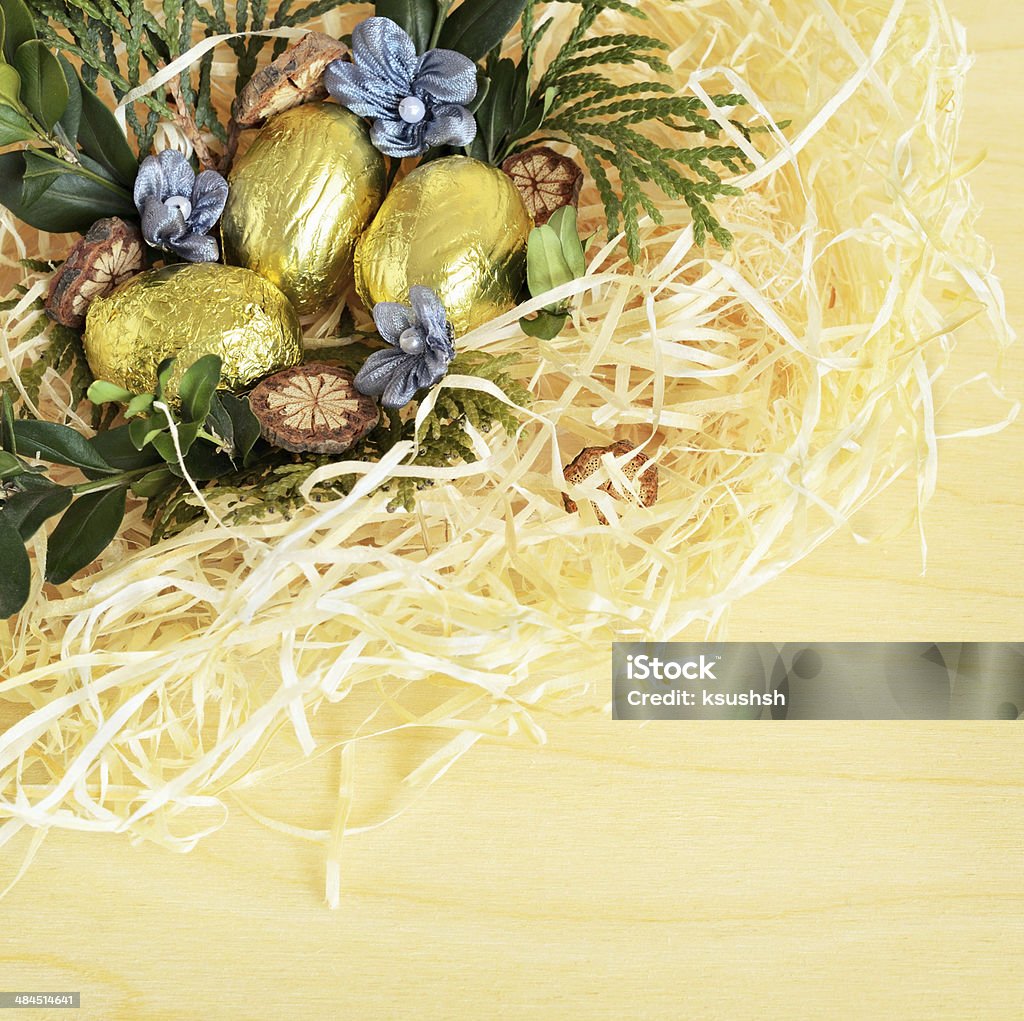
185 312
299 198
455 225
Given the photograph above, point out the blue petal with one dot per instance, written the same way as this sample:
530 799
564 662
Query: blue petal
363 96
392 319
149 183
209 195
179 177
399 391
160 224
445 77
377 370
197 248
398 139
429 309
384 52
450 125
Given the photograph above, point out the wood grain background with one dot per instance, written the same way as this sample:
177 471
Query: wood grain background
665 871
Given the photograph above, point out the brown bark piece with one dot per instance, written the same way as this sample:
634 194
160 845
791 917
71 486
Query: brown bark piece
296 77
314 407
587 462
109 254
546 180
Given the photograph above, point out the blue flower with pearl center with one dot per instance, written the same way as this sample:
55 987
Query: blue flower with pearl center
421 349
415 102
179 209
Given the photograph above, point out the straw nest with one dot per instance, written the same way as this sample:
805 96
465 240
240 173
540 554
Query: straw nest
779 387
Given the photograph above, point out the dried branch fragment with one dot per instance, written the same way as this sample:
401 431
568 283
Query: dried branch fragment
314 407
109 254
296 77
588 461
546 180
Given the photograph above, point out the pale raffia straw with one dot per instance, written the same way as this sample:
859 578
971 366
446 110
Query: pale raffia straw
779 387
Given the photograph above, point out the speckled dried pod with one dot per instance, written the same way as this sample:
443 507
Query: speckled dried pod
314 407
455 225
546 180
296 77
109 253
588 461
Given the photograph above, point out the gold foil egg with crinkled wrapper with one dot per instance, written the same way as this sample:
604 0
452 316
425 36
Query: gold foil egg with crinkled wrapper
185 312
455 225
298 200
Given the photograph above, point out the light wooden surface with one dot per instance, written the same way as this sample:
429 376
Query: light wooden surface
716 871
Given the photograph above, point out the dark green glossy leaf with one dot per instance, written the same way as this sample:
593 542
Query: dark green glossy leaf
16 576
101 137
415 16
7 439
245 426
546 325
72 116
165 445
153 483
10 466
29 509
116 448
88 527
70 202
58 444
163 375
197 387
204 462
18 27
13 127
44 90
475 28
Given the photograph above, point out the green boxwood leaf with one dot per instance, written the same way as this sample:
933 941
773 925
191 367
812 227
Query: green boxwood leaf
72 116
13 127
10 466
10 86
102 392
87 528
415 16
563 223
58 444
476 28
545 265
164 441
16 576
69 202
18 27
545 325
153 483
244 424
31 508
44 89
197 387
7 439
138 405
101 137
116 448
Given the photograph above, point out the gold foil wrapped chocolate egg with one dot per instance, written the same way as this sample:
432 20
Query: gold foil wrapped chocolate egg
455 225
185 312
299 198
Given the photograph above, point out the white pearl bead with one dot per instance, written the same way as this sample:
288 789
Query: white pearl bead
412 110
180 203
410 342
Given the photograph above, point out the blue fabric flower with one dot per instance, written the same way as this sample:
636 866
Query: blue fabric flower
421 349
415 102
179 209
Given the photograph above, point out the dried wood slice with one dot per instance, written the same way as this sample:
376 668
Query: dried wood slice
109 254
588 462
314 407
296 77
546 180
